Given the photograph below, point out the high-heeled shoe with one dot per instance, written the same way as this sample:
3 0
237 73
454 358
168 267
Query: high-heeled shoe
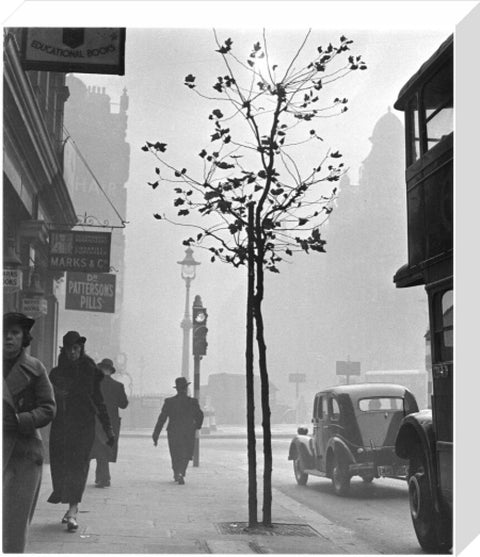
72 524
65 518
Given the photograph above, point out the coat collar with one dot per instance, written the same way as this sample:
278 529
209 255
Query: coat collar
20 374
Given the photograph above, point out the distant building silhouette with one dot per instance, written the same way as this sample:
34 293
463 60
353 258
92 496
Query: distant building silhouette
97 128
327 307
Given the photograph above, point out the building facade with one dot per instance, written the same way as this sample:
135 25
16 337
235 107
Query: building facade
35 195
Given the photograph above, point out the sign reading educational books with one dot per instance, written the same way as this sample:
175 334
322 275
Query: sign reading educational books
34 307
90 292
12 280
80 251
74 49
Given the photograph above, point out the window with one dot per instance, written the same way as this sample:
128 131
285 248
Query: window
380 404
333 409
413 152
438 104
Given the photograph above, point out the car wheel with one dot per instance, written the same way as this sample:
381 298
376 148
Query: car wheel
300 475
421 506
340 476
367 479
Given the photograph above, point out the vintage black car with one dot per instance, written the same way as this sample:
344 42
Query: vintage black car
354 433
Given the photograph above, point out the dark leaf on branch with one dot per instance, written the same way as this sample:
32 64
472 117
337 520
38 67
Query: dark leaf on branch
145 148
215 136
312 132
179 201
336 155
211 195
183 212
190 81
302 221
154 184
273 269
157 216
262 174
218 87
202 153
224 165
274 67
162 147
288 251
217 113
212 259
250 63
258 188
157 170
343 38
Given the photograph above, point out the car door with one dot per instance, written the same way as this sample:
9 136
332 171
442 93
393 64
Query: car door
319 423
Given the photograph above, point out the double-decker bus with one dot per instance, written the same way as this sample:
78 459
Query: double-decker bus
426 438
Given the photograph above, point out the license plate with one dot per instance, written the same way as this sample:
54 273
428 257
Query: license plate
400 470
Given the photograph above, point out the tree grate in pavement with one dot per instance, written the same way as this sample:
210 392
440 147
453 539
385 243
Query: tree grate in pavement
277 529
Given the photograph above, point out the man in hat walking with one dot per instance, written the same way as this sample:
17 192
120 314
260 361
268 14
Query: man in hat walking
115 397
184 418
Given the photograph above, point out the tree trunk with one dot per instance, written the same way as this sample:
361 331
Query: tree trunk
262 357
252 456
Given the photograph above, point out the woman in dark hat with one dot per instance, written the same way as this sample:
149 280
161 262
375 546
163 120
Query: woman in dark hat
76 381
28 404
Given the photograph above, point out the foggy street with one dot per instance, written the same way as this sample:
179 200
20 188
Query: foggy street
127 517
218 229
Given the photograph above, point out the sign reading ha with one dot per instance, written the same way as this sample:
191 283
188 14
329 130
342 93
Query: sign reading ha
74 49
80 251
90 292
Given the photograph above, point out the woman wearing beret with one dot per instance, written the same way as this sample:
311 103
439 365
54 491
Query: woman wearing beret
76 381
28 404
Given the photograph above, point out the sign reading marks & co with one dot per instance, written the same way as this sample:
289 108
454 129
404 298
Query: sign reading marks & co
74 49
90 292
80 251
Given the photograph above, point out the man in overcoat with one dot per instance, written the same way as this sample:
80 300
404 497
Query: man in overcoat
184 418
114 397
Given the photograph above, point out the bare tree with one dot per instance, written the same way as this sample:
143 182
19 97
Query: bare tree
258 169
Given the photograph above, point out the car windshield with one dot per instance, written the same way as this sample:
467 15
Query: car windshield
380 404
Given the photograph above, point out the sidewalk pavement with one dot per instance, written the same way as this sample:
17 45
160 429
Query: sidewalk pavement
279 431
145 511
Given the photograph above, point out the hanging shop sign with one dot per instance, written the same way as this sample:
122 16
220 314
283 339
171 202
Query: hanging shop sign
80 251
90 292
34 307
74 49
12 280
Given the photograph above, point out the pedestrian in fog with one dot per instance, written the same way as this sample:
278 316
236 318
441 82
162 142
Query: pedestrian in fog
76 382
28 404
115 397
184 418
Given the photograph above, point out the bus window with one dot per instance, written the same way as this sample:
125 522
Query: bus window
447 313
413 152
438 104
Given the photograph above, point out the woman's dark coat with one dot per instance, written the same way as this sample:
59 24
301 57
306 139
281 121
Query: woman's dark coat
79 399
115 397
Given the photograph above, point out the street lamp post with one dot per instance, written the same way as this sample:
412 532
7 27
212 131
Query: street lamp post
188 274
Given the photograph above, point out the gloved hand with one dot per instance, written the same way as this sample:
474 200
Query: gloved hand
111 440
155 440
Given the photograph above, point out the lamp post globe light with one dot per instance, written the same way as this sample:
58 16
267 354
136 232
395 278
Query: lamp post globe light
188 271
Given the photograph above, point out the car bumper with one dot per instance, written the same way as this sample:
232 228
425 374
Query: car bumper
369 468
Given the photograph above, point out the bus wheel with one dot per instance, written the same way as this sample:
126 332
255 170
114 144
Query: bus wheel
421 507
340 476
300 475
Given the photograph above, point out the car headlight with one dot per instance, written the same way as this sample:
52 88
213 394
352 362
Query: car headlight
360 450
